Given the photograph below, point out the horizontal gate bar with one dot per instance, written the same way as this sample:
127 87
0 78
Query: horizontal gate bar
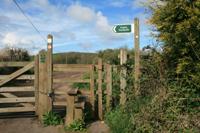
13 64
16 109
71 81
22 77
17 100
16 89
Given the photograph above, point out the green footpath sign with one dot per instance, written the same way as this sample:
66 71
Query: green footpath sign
123 28
42 58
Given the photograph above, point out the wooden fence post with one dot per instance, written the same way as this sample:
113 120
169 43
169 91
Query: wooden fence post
123 60
36 82
100 106
92 101
43 100
137 56
49 70
108 86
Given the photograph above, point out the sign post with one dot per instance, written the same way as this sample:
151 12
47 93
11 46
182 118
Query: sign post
123 28
128 28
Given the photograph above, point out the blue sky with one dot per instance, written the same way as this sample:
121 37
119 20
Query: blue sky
77 25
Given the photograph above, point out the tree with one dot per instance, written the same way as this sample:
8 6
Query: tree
178 27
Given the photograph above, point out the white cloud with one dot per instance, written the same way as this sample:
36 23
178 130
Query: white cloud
80 13
75 23
116 3
10 40
103 28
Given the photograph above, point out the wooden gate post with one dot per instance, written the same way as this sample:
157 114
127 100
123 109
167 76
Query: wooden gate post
100 106
43 99
123 60
49 69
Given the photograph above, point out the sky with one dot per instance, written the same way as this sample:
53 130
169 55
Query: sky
76 25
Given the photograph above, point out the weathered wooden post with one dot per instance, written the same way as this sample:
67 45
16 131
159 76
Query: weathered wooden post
100 106
123 60
75 106
92 82
49 70
70 107
36 83
43 93
137 56
108 86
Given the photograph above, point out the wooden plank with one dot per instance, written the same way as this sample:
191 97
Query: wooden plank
137 56
71 81
82 91
59 103
78 114
71 66
17 100
22 77
66 69
16 89
36 83
108 86
17 73
9 95
59 92
100 103
70 110
13 64
16 109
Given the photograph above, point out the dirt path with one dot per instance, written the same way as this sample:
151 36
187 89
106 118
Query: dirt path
25 125
31 125
98 127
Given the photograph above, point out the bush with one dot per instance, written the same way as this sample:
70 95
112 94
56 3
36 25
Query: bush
118 121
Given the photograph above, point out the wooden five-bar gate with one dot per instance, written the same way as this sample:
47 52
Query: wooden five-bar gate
37 86
11 95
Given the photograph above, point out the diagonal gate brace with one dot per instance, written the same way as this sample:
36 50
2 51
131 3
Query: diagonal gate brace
16 74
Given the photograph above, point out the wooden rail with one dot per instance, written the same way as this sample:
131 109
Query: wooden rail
71 81
16 89
22 77
17 100
17 73
16 109
13 64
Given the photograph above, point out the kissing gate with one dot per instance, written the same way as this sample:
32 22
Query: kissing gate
39 86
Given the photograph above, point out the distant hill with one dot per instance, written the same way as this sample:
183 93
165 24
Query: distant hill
74 58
